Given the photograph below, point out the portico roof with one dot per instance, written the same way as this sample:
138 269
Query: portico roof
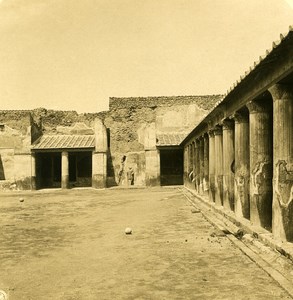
64 142
170 139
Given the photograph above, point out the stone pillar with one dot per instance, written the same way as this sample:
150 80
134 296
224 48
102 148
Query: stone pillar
33 171
201 165
152 161
186 165
241 186
212 166
99 170
206 165
64 170
282 224
260 127
228 164
99 157
197 166
193 166
190 166
218 166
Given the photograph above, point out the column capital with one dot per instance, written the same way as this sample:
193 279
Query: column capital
281 91
206 136
227 124
211 133
218 130
255 107
239 118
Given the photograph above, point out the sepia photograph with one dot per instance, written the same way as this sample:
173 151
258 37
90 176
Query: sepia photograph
146 149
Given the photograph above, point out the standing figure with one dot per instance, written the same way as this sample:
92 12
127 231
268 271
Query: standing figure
130 176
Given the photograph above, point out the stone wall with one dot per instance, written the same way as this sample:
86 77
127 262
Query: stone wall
133 124
15 143
206 102
16 119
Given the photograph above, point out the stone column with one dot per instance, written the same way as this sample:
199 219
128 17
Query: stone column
218 166
193 164
260 127
201 165
99 157
190 165
152 161
197 166
206 165
64 170
241 186
186 165
212 166
33 171
228 164
282 225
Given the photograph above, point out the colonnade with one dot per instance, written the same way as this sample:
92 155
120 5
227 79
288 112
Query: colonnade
245 162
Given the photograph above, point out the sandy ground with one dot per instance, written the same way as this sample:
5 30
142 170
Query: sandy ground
71 245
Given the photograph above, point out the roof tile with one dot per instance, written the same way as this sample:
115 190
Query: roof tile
170 139
65 142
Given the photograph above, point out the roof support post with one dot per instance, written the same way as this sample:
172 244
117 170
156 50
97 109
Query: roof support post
260 127
64 170
282 223
211 166
186 165
228 164
206 165
201 165
218 166
242 166
33 170
196 163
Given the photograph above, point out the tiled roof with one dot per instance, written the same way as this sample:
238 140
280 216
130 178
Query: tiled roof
170 139
65 142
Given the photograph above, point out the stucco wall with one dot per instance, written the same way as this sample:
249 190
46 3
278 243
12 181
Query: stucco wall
6 164
132 125
15 143
134 122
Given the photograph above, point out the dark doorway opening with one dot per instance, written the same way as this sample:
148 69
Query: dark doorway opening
80 169
48 170
171 164
2 174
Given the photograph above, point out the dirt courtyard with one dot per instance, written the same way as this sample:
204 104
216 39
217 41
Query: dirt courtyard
71 245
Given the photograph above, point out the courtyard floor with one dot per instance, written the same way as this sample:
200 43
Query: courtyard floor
71 245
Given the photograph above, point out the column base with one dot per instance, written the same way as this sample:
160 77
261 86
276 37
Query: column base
65 182
33 183
98 181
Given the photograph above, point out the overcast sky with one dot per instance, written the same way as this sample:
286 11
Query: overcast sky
75 54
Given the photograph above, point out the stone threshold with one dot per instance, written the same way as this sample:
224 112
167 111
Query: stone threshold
242 226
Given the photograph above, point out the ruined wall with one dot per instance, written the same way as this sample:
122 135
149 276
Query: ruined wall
15 143
54 120
16 119
20 128
133 124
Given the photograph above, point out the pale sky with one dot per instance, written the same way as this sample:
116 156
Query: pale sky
75 54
